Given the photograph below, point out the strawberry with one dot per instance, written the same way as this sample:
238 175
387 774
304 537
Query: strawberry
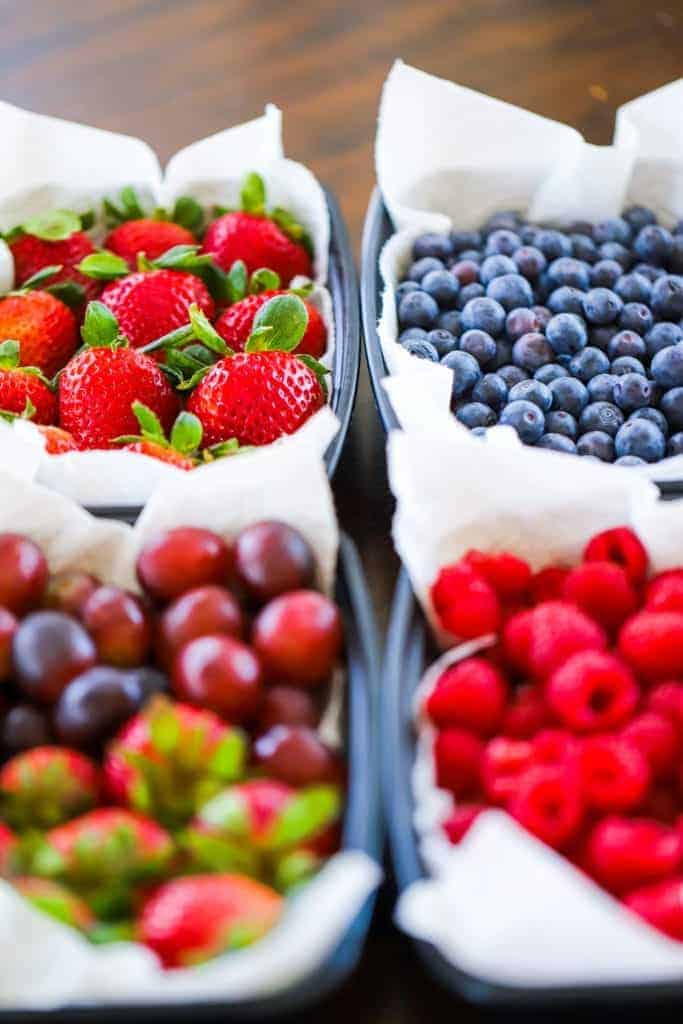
189 920
171 758
56 900
99 385
264 392
8 850
137 233
58 441
180 450
272 240
44 327
55 240
24 392
42 787
235 324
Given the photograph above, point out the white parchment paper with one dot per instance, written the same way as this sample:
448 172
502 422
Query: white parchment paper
52 163
44 964
501 905
469 155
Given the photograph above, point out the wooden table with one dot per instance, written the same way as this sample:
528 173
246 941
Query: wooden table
172 71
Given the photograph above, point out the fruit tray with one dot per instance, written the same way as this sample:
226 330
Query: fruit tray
473 514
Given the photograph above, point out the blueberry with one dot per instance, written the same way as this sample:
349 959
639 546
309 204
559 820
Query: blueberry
612 229
421 348
520 321
502 241
617 252
642 438
654 416
626 364
479 344
606 273
531 351
472 255
675 445
422 267
671 404
417 309
633 287
439 246
511 374
404 288
588 364
461 240
491 390
466 271
636 316
667 366
662 336
442 340
601 306
526 418
667 297
442 286
553 244
569 271
566 333
542 287
496 266
584 248
648 271
528 234
627 343
530 261
629 460
639 216
550 371
511 291
600 337
676 258
560 422
476 414
503 353
601 388
569 394
484 314
566 300
450 321
543 315
531 391
597 444
469 292
557 443
507 220
601 416
411 333
653 244
632 391
465 369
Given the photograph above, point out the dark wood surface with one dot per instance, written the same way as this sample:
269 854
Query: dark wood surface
172 71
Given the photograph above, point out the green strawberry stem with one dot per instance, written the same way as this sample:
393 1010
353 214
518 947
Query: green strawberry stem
186 433
253 201
100 327
10 359
186 211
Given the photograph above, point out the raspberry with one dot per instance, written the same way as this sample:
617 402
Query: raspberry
603 591
652 643
516 640
661 804
660 905
623 853
465 604
656 738
460 821
508 575
665 592
457 755
592 691
620 545
547 584
667 700
547 803
470 694
525 714
558 630
555 747
503 763
614 774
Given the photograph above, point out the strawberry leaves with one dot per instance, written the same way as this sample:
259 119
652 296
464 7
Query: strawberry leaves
103 266
186 212
10 359
129 208
100 327
55 226
279 324
253 201
186 433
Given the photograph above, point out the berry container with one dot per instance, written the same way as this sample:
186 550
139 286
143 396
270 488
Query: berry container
342 283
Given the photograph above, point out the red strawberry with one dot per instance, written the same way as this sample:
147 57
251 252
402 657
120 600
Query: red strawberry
189 920
8 850
98 387
171 758
24 392
235 324
44 327
58 441
180 450
57 901
147 236
47 785
55 239
274 241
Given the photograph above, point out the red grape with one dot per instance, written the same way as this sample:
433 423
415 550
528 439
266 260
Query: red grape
120 626
177 560
298 637
23 573
219 673
296 755
48 650
272 558
198 612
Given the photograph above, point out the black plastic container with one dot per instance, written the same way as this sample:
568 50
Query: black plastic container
408 652
342 283
362 830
